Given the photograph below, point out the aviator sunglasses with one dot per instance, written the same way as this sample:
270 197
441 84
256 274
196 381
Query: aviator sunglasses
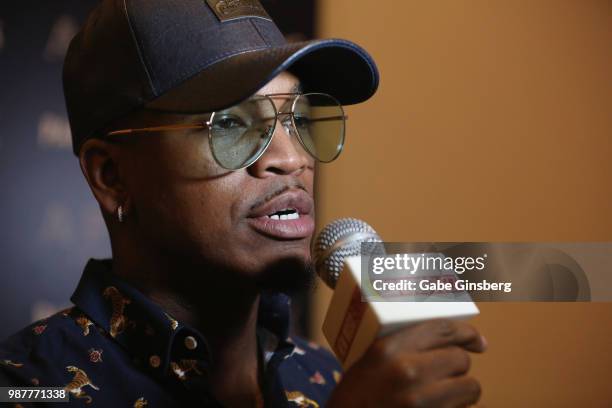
239 135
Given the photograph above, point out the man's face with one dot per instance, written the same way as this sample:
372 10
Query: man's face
188 208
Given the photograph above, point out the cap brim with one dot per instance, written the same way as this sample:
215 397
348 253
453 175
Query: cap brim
337 67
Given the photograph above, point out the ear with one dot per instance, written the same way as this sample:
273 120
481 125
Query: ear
99 162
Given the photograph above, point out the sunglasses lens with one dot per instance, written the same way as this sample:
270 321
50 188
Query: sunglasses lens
241 133
320 122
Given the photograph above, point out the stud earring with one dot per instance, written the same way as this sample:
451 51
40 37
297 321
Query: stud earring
120 213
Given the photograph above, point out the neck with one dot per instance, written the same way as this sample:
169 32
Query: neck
225 312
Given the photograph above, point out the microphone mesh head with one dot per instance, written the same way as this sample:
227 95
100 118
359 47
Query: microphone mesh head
338 240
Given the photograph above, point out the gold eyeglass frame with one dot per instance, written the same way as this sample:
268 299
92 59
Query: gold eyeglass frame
208 124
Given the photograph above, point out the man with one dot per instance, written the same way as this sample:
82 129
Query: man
197 128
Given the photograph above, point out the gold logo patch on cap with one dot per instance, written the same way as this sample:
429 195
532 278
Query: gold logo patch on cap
227 10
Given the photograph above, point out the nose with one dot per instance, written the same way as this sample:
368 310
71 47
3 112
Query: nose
285 155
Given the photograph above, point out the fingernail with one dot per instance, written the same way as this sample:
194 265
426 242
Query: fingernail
485 343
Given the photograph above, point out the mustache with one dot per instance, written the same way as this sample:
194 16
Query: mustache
275 192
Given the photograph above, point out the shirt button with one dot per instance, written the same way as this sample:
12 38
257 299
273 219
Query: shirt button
191 343
154 361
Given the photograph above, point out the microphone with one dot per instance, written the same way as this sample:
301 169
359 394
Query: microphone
351 324
337 241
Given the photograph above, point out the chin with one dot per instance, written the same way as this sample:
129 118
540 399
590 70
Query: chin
273 250
292 272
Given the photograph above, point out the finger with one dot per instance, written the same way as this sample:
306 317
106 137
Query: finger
430 366
441 363
450 393
441 333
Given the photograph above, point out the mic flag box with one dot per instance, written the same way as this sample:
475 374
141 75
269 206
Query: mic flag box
352 324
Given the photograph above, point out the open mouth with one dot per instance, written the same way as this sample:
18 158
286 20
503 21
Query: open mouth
286 214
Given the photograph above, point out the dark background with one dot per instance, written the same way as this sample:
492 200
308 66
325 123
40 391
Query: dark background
50 222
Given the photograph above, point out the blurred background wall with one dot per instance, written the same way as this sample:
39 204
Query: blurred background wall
493 122
50 223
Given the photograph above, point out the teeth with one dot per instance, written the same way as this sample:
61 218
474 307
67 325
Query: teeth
293 215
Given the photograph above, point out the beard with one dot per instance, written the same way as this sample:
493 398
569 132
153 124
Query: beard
291 276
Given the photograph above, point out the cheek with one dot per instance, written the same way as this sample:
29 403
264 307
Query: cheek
178 192
187 156
196 215
192 217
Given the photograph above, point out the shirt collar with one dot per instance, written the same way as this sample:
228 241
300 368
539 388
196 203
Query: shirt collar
154 338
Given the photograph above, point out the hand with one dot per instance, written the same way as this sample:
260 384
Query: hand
424 365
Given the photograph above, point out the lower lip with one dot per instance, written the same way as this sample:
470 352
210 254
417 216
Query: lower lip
299 228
